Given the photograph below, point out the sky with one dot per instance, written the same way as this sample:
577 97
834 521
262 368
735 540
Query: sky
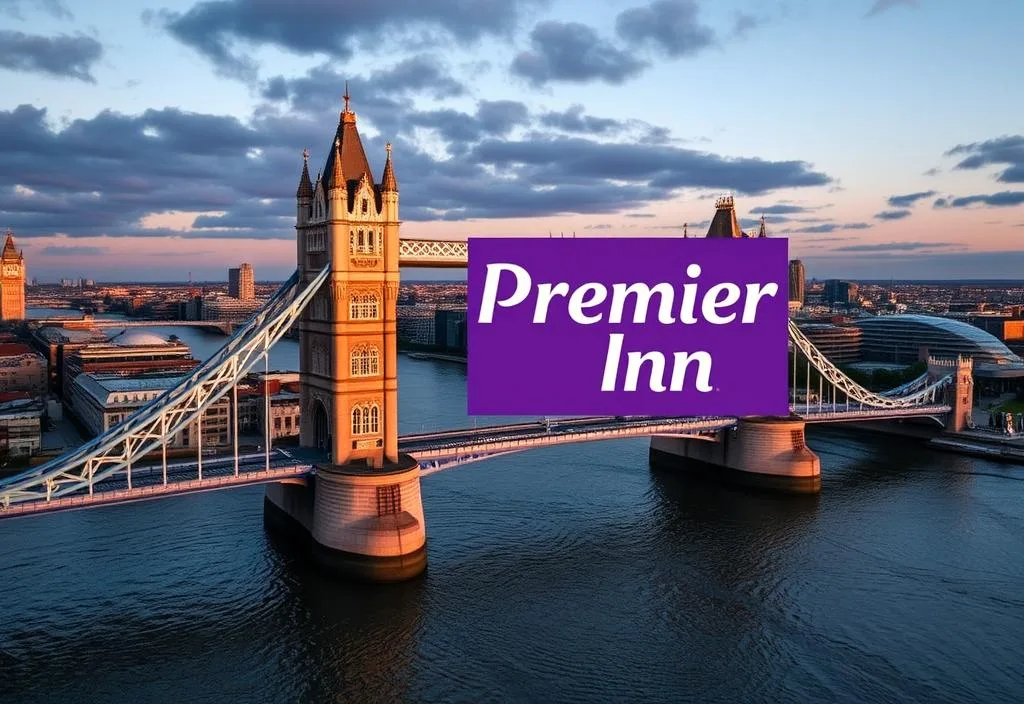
151 139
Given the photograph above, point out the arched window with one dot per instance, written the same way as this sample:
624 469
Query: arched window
371 241
366 418
352 240
364 306
362 242
365 360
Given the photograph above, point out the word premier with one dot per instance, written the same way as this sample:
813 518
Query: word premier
591 303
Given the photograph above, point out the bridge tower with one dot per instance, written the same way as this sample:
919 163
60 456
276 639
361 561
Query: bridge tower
365 513
960 394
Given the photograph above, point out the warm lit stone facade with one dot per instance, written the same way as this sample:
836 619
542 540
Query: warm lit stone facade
12 282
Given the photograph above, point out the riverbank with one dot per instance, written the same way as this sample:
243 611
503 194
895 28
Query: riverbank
437 356
995 449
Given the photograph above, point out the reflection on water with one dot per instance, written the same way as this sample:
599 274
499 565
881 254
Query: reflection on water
566 574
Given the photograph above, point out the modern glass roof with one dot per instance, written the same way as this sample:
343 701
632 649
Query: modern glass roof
952 332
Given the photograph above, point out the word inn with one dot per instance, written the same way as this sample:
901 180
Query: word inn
591 303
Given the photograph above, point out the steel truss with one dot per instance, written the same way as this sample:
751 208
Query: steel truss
451 253
150 426
854 391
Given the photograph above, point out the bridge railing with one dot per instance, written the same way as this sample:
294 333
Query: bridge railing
150 427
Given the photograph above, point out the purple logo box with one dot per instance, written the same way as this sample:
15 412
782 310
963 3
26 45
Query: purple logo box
553 330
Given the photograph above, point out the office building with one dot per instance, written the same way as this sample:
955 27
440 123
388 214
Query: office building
242 283
797 280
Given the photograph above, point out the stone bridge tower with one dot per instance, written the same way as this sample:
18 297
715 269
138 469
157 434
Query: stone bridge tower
960 394
365 513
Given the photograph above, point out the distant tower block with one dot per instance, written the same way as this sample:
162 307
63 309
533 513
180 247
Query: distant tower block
365 514
12 281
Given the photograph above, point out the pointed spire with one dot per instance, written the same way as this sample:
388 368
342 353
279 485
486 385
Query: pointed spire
388 182
685 225
338 175
762 232
305 189
10 251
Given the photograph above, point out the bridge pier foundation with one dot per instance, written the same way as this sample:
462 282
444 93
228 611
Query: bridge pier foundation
361 523
768 453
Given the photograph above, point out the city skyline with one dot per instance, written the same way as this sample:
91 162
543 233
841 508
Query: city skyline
121 168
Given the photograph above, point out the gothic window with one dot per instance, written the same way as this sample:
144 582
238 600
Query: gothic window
365 361
364 205
362 241
366 418
364 306
371 241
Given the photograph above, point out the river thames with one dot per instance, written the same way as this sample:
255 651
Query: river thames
569 574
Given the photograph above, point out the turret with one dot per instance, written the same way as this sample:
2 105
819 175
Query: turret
304 193
337 192
389 189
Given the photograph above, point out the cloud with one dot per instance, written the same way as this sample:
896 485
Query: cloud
1005 151
169 172
641 215
744 23
63 56
828 227
908 200
881 6
932 172
1004 199
573 121
892 214
670 26
12 8
56 250
897 247
782 209
571 52
219 29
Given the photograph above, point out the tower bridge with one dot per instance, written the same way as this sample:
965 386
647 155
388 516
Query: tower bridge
352 487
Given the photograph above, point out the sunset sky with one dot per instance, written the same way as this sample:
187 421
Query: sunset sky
146 140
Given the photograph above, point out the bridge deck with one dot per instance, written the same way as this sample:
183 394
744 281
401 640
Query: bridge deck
434 451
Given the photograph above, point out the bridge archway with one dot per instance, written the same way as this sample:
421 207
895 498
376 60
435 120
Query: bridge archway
321 427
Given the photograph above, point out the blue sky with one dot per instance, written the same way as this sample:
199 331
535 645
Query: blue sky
145 141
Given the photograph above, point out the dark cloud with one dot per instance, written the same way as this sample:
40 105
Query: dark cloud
908 200
932 172
221 29
13 8
641 215
56 250
559 160
671 26
896 247
892 215
104 175
492 119
573 120
881 6
1004 151
571 52
63 56
1004 199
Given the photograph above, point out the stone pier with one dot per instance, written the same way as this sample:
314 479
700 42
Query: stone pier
763 452
360 523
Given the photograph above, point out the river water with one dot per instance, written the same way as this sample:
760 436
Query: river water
572 574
